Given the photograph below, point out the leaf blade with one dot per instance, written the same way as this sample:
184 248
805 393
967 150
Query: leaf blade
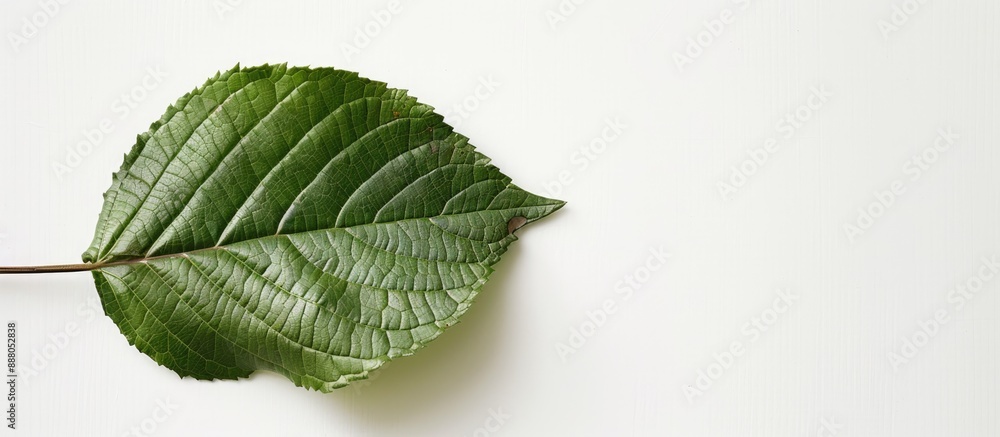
330 225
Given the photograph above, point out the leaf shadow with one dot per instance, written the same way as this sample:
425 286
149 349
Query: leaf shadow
444 375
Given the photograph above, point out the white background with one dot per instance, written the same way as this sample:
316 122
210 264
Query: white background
823 366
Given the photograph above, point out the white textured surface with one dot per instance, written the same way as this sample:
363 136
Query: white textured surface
823 361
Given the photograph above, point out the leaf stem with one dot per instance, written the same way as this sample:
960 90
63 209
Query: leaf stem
65 268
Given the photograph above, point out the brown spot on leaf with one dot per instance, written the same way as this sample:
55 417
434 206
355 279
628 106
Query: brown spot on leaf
515 223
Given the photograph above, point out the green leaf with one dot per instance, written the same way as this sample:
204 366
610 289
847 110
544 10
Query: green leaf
306 221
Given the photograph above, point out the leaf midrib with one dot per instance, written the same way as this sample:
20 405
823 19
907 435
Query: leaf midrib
144 259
